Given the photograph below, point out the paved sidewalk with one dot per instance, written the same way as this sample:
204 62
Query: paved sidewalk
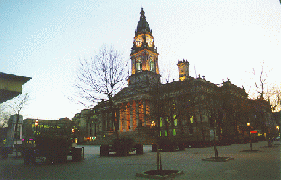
256 165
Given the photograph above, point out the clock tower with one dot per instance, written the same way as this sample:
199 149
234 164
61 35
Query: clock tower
183 70
144 56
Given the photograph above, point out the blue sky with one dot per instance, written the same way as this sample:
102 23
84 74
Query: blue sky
220 38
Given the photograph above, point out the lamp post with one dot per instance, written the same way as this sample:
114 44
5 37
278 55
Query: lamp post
277 127
249 127
215 147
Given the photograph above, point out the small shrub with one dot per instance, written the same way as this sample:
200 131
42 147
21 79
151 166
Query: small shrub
54 148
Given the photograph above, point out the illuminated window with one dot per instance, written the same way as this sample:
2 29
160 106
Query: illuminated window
191 119
175 120
161 122
152 67
166 133
138 65
138 42
174 132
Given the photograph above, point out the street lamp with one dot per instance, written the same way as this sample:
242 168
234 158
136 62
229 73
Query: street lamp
36 125
249 127
277 127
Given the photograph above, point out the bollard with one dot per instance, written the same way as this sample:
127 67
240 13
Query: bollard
104 150
139 149
76 154
154 147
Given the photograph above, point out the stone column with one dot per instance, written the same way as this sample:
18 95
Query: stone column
20 130
131 115
144 113
135 123
137 113
124 119
106 123
103 122
128 117
120 119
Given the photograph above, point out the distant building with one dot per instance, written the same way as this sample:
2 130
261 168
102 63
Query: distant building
32 127
88 126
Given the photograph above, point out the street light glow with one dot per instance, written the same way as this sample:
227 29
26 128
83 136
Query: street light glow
36 123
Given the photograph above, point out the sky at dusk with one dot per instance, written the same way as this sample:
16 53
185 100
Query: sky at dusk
221 39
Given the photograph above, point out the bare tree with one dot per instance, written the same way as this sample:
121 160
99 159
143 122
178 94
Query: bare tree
275 98
101 78
262 80
267 91
18 103
4 116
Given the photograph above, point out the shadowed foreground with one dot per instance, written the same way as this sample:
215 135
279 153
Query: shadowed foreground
259 165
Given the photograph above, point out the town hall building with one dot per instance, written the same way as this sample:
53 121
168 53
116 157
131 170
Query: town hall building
191 109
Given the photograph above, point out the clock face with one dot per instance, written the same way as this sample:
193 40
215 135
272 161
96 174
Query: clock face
139 41
149 41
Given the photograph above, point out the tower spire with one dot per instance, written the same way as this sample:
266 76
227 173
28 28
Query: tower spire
143 25
142 12
144 56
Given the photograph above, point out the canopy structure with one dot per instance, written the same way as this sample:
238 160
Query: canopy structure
11 86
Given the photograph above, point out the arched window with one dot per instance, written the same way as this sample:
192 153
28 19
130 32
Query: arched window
138 65
152 65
